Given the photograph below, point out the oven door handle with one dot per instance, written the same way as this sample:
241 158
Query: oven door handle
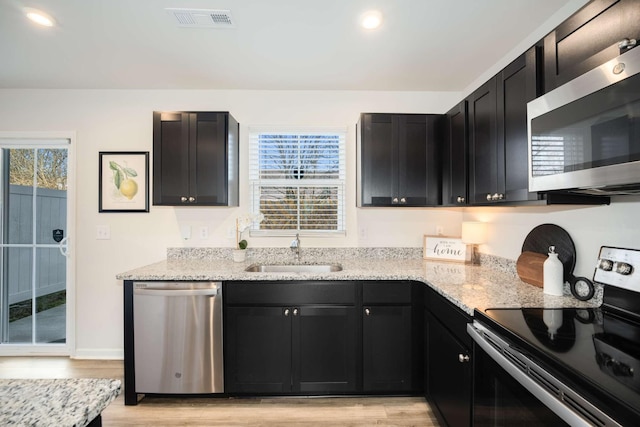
476 332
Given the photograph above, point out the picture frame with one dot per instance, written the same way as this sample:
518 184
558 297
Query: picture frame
444 248
123 181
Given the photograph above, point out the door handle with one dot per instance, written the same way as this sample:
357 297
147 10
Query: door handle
63 248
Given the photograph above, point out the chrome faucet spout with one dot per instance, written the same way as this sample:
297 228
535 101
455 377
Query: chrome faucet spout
295 246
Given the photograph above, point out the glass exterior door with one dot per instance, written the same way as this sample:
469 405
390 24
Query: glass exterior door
33 249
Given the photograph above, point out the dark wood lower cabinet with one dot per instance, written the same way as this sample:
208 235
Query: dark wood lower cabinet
299 350
448 360
257 350
325 350
450 376
322 338
387 349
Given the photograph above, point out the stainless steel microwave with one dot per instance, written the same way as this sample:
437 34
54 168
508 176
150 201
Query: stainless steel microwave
585 135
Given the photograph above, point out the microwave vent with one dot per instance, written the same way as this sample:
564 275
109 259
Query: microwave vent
202 18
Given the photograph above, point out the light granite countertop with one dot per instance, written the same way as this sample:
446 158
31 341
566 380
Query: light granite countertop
69 402
494 284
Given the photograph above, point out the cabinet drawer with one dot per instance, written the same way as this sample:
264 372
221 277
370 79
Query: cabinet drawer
283 293
386 293
453 318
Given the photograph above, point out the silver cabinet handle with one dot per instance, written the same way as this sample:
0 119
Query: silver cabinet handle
460 199
403 200
626 43
367 311
192 199
489 196
463 358
395 200
295 311
183 199
286 312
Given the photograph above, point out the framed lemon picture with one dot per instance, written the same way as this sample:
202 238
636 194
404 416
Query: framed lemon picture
124 181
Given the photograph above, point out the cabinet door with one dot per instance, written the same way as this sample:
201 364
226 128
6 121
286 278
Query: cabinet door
454 157
483 144
170 157
195 159
208 158
387 348
257 350
450 380
325 349
588 39
398 160
517 85
378 153
418 169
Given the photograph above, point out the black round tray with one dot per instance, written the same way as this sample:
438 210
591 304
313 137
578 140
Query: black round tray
541 237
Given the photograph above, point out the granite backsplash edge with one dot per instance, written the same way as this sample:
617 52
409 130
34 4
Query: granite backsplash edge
309 255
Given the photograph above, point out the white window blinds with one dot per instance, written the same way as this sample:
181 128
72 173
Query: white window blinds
297 180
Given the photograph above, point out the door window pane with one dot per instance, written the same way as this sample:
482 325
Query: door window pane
50 296
18 277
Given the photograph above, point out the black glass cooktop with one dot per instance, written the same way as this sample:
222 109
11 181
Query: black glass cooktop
595 352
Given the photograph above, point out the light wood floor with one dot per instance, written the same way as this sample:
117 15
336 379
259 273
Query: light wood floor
288 412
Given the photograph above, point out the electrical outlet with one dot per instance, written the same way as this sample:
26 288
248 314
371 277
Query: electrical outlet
439 230
362 233
204 232
103 232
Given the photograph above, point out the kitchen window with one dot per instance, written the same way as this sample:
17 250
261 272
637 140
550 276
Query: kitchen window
297 179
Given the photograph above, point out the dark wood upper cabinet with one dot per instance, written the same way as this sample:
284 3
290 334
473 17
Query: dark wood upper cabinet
398 163
589 38
195 159
485 177
498 141
454 156
517 84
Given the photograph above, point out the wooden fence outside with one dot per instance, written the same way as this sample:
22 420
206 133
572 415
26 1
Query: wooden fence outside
51 210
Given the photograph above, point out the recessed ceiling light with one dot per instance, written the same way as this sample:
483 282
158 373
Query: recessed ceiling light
371 20
39 17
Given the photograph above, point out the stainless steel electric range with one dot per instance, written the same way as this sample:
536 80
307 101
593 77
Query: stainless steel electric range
575 366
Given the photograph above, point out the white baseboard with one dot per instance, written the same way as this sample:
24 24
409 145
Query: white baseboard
99 353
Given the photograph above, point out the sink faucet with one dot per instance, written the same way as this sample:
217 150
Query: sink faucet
295 246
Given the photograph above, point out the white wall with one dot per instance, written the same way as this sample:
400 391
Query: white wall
590 227
122 121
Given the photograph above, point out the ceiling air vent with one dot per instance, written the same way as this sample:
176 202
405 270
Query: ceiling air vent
202 18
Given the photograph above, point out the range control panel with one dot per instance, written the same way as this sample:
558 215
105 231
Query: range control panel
618 267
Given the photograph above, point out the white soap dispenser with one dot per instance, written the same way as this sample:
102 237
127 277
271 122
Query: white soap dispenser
552 274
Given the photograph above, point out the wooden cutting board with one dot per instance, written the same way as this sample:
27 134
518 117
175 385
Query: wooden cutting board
529 267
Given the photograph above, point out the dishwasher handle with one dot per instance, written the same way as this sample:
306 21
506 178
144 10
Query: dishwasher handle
212 292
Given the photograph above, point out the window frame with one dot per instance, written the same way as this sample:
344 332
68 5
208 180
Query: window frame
338 184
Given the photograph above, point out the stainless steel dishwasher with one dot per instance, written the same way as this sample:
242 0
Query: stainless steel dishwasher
177 329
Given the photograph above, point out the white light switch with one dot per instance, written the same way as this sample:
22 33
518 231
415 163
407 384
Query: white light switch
185 232
103 232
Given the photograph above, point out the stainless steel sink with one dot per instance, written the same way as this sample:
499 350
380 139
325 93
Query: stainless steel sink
293 268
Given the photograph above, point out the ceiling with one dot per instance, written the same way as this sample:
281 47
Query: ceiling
422 45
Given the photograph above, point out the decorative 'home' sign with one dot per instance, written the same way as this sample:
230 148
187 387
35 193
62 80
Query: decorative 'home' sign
444 248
